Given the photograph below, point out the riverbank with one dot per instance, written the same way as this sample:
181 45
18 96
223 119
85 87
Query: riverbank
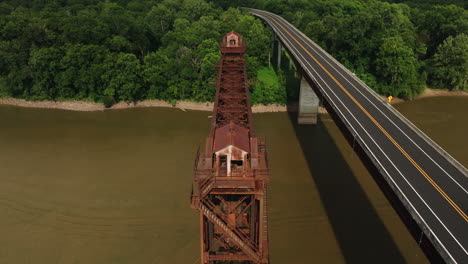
91 106
431 93
185 105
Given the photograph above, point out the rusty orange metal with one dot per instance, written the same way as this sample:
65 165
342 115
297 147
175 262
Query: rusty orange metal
231 175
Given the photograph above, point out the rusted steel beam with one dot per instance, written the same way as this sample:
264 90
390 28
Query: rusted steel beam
231 175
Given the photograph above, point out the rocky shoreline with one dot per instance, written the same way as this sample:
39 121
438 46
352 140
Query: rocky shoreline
185 105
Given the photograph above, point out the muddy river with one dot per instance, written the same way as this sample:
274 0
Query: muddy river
114 187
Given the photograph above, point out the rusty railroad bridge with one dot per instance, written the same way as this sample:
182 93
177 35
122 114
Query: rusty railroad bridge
231 173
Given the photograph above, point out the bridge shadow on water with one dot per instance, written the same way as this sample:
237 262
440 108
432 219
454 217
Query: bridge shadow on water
359 231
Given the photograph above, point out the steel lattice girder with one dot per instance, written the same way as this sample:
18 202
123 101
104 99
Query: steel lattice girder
233 212
232 105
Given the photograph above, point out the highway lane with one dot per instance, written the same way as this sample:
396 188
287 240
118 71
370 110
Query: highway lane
432 185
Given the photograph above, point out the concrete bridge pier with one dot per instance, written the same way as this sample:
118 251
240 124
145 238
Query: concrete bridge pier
273 39
280 53
308 104
308 100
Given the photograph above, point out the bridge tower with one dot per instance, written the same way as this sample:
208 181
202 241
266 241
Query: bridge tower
231 172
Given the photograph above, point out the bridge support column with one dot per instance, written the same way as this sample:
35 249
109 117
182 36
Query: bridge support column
308 104
273 39
271 54
280 53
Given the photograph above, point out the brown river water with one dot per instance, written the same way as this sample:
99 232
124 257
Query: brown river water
114 187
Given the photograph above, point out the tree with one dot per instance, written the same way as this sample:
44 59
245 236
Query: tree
44 65
122 77
396 67
256 37
80 72
195 9
209 53
156 74
450 64
160 19
84 30
444 21
268 89
119 44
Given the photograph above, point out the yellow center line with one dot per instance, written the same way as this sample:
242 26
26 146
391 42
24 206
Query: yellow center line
416 165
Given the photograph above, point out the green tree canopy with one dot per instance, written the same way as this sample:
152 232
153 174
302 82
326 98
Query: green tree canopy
440 22
119 49
450 63
396 66
122 77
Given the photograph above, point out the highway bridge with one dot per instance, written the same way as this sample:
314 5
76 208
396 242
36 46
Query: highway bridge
432 185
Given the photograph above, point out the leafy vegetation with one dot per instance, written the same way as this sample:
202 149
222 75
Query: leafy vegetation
130 50
391 46
121 50
269 88
450 63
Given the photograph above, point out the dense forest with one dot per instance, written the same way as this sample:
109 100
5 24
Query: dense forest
107 51
130 50
397 47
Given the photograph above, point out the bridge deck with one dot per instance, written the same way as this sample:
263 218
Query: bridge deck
430 183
